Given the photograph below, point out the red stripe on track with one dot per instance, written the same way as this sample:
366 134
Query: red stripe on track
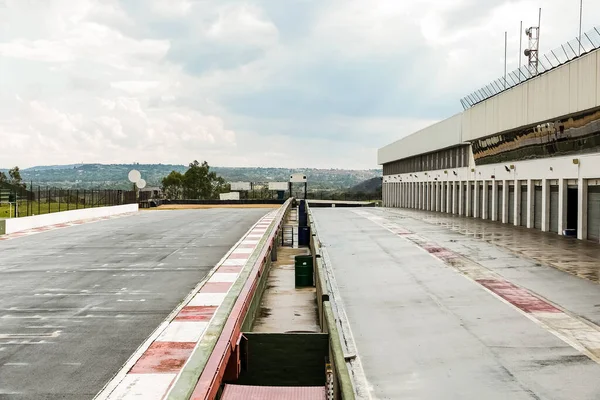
239 256
216 287
196 313
163 357
230 268
519 297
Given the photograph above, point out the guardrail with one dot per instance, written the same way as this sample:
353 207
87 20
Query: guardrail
343 386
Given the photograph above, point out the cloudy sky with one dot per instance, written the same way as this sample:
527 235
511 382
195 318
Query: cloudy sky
288 83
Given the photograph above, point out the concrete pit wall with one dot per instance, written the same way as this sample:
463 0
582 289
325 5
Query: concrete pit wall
37 221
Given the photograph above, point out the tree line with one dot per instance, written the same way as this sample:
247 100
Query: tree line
198 182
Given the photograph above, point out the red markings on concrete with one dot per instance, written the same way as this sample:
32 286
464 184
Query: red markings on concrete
238 256
440 252
246 246
163 357
231 269
216 287
519 297
196 313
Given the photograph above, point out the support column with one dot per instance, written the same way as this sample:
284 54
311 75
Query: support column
476 210
494 216
422 195
545 205
468 206
582 209
517 202
427 196
530 203
484 206
505 202
562 205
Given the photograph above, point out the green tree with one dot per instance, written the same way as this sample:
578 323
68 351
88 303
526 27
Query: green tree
15 176
172 185
198 182
3 177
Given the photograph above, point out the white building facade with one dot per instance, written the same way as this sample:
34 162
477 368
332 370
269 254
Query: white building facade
529 156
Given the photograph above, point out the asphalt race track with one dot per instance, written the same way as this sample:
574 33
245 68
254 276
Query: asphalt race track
76 303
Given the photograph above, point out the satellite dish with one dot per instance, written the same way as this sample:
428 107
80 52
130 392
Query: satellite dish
141 184
134 176
527 52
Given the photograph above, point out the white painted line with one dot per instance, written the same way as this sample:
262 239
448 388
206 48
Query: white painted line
207 299
251 241
243 250
234 262
224 277
143 386
183 331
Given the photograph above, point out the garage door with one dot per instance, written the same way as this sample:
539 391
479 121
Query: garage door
593 220
537 210
480 202
524 205
499 202
472 204
554 209
464 200
511 205
489 200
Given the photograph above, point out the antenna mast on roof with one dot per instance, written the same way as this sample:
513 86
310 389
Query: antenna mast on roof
532 52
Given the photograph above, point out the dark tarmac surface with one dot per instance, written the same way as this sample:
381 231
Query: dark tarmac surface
76 303
424 329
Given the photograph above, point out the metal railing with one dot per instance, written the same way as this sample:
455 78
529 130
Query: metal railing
23 201
590 41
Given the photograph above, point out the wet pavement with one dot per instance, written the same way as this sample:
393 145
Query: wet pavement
285 308
444 307
76 303
577 257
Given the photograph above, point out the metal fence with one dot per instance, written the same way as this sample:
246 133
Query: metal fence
24 201
569 51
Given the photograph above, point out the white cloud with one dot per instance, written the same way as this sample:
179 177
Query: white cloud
247 82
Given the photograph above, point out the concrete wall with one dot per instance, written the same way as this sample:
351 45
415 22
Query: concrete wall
22 224
444 134
568 89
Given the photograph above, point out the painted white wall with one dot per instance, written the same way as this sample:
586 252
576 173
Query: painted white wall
22 224
570 88
444 134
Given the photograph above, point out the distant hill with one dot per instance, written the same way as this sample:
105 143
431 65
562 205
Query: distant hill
114 176
372 185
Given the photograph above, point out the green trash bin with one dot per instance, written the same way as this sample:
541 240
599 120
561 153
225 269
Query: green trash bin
304 271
